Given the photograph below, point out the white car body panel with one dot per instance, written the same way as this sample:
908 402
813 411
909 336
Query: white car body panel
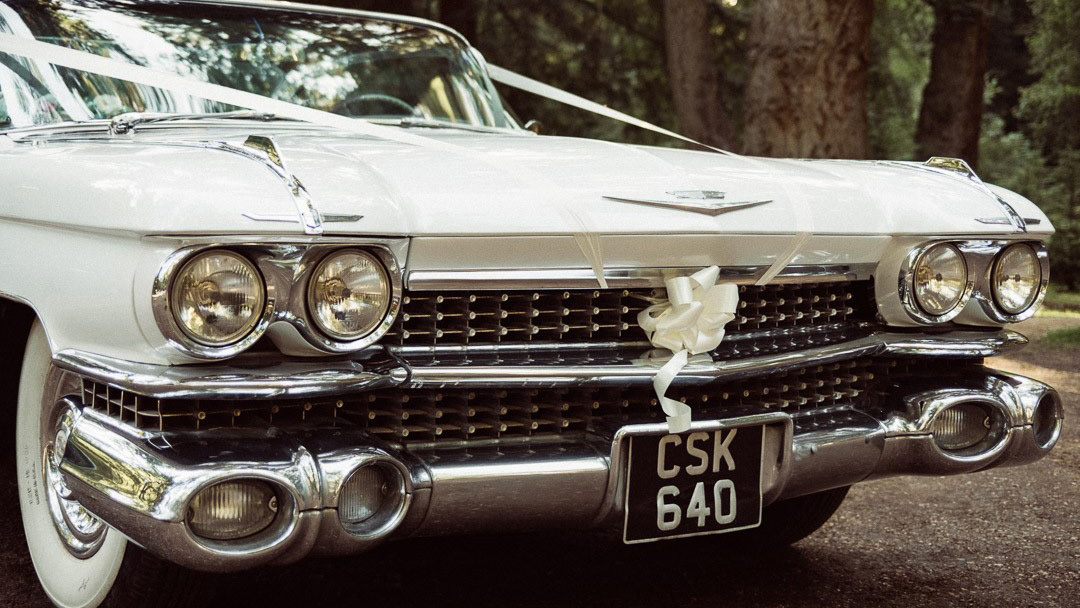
86 204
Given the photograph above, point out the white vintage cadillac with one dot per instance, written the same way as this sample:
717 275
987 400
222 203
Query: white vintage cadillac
279 281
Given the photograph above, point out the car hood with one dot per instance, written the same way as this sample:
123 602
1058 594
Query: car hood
169 181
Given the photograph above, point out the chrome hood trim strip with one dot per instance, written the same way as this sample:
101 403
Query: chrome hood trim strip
624 278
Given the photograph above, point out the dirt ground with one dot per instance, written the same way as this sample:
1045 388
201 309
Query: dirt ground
1006 537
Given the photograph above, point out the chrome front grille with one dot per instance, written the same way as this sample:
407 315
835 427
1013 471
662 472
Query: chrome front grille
475 417
484 318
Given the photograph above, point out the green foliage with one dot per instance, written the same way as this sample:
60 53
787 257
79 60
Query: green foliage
1063 338
612 51
1050 110
1059 299
899 70
1051 106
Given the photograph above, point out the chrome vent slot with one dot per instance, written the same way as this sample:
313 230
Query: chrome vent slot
486 318
468 417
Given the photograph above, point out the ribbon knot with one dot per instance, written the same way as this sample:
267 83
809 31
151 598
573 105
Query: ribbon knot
691 321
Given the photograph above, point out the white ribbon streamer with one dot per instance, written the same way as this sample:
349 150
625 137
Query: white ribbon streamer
804 219
513 79
691 321
112 68
586 238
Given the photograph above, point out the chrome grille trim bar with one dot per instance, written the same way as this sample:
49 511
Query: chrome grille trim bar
527 347
319 377
225 381
700 370
585 278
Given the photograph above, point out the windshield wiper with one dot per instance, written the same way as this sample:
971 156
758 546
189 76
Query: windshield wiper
427 123
412 122
122 124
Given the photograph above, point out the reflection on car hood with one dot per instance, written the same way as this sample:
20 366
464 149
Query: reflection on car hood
161 181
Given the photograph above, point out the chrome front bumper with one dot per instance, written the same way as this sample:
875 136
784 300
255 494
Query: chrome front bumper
140 482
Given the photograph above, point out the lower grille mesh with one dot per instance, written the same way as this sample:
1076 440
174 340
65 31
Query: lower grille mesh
429 416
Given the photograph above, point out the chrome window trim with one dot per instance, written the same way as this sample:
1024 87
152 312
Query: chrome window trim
906 285
285 268
313 9
621 278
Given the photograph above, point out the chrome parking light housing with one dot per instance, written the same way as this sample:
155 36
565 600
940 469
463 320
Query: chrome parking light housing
364 515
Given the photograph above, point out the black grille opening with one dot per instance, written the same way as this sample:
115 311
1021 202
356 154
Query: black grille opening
465 417
461 318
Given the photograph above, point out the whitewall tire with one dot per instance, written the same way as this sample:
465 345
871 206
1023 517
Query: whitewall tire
80 572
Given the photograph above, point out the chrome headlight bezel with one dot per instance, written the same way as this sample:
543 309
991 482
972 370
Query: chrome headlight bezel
285 265
176 334
313 330
907 288
987 296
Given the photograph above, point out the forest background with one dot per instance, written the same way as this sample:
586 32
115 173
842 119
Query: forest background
996 82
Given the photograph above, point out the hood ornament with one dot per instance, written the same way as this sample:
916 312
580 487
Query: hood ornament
706 202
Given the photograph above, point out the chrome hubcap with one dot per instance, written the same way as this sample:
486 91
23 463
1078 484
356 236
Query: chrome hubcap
80 531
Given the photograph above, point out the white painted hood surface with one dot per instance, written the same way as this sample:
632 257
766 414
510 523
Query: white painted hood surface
501 184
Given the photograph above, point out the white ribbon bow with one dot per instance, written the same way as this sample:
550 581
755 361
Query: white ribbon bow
690 322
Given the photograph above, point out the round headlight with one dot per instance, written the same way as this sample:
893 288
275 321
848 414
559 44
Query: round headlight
940 279
217 298
1017 276
349 294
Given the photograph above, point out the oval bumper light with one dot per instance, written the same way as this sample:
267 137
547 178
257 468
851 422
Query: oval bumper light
961 427
233 509
372 499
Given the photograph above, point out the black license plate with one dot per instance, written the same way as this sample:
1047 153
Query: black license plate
698 482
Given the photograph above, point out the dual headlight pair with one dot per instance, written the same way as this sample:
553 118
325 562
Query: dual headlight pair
940 281
218 297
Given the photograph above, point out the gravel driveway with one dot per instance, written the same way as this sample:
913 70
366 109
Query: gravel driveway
1007 537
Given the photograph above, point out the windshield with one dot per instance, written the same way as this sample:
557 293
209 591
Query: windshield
347 65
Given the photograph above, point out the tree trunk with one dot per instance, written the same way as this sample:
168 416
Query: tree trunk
806 95
695 82
953 99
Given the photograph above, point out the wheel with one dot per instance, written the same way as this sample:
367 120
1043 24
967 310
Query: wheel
79 560
789 521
